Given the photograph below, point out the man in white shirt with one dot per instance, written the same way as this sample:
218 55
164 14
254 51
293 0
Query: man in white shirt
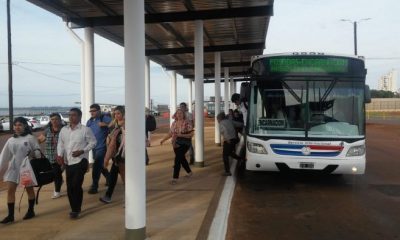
228 132
240 105
74 143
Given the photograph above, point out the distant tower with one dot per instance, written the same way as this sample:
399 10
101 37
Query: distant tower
388 82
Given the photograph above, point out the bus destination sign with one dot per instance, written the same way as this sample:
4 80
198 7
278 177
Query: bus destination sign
308 65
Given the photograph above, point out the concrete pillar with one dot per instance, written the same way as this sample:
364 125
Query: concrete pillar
217 105
190 95
172 97
234 87
231 91
226 90
135 175
85 111
199 95
89 70
147 83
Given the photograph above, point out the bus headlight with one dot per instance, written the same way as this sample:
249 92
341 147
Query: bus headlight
256 148
356 151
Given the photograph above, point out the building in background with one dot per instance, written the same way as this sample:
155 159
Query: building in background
388 82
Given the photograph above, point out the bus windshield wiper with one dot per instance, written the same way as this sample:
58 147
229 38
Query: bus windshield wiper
298 99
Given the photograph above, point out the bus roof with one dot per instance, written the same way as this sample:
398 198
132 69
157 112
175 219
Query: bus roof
257 57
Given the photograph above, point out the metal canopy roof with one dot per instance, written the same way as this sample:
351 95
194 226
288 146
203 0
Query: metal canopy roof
236 28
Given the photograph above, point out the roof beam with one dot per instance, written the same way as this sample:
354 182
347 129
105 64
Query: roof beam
208 65
216 48
235 79
210 14
176 16
212 75
103 7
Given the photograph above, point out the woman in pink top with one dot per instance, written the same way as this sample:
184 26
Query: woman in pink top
181 133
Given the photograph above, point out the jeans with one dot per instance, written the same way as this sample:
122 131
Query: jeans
58 179
113 178
191 153
98 167
147 157
75 176
181 160
228 150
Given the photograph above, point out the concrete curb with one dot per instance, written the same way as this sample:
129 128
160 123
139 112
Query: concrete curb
220 222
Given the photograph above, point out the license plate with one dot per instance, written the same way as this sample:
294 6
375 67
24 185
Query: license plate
307 165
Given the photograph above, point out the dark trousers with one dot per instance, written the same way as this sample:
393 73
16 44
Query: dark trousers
191 153
147 157
228 150
112 180
98 167
75 176
58 179
181 160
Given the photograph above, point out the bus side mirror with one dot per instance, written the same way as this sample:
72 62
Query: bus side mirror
367 94
245 90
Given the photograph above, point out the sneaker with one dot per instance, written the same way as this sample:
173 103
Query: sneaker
227 174
189 175
105 199
56 195
93 191
29 215
74 215
7 220
174 181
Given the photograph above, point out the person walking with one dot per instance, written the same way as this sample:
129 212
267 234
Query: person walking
99 124
74 143
181 133
228 132
50 138
151 125
14 152
189 117
116 152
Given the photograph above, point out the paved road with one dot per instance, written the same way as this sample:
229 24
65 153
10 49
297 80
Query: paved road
276 206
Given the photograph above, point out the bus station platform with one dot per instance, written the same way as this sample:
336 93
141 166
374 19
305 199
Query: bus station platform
181 211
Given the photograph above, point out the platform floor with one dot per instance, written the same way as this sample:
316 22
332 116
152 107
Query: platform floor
182 211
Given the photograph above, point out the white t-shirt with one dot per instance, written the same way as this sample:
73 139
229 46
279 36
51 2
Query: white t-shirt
14 152
243 110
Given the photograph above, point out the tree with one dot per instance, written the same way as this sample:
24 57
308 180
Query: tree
383 94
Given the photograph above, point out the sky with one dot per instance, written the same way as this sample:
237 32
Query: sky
46 70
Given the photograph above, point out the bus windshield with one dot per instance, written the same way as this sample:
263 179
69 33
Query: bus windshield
307 107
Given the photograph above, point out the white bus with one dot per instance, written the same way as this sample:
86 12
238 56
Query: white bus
306 111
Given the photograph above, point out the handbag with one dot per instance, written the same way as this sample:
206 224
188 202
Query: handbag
43 170
27 176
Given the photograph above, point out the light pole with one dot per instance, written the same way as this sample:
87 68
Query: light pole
355 30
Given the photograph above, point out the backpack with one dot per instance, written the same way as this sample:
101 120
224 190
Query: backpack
43 172
151 124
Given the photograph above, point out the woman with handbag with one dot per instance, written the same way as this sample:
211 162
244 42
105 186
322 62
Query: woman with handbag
16 149
115 151
50 138
181 133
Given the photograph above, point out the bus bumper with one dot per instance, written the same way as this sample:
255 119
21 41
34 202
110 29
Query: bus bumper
261 162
